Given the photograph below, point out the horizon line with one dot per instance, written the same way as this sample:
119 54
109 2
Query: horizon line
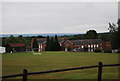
41 33
51 33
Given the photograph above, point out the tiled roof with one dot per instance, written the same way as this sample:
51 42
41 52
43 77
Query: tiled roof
43 40
87 41
16 44
60 40
76 42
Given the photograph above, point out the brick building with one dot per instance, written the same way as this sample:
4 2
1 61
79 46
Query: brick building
67 45
91 44
15 47
41 44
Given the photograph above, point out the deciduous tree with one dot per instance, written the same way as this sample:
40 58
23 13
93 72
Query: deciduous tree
115 34
47 44
56 44
91 34
35 45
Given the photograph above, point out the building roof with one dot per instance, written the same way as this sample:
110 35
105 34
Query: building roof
16 44
43 40
75 42
87 41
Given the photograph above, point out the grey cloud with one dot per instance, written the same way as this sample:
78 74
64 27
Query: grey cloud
30 17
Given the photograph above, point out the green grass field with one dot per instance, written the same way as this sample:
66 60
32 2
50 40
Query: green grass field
14 63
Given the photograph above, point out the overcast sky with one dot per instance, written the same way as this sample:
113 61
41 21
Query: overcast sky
58 17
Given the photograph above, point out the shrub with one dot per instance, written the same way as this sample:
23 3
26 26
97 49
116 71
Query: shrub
107 51
97 50
118 51
85 49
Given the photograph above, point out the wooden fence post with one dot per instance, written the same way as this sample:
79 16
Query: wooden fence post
24 76
100 71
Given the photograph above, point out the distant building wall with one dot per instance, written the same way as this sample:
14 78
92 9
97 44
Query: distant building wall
2 50
42 46
107 46
67 45
15 47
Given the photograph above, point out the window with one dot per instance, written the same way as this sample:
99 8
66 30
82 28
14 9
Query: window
94 45
88 46
66 49
97 46
41 46
60 44
91 49
91 46
82 46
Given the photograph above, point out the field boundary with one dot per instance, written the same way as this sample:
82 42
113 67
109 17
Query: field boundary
25 71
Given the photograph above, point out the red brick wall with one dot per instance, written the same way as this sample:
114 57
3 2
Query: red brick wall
66 44
107 45
42 47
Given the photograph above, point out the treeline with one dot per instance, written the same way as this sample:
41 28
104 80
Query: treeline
115 34
52 44
19 39
91 34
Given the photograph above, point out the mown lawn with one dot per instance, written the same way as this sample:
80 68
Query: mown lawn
14 63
